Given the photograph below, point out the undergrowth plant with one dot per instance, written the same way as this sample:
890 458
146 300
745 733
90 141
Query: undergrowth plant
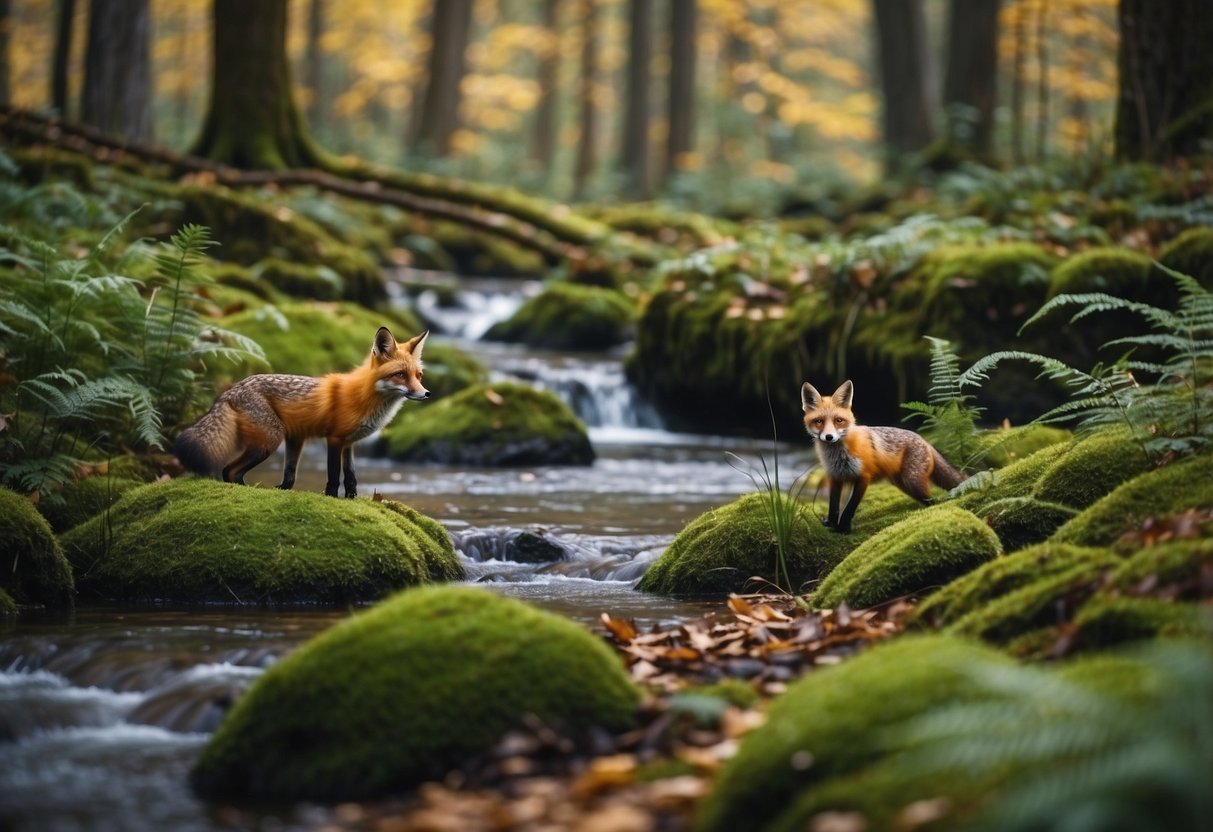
949 417
95 362
1166 404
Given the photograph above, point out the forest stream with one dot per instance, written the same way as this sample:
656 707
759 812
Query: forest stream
105 709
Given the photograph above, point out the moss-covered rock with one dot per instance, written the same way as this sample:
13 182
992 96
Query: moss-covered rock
823 727
1159 493
199 540
1191 253
402 693
84 499
1002 576
1018 479
1174 568
913 556
1114 270
33 570
1107 621
1003 446
300 280
1095 465
505 424
719 551
8 606
1021 521
569 316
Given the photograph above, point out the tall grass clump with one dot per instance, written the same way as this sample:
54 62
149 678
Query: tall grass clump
96 362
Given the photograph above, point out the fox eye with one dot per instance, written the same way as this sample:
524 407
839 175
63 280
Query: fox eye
819 421
400 374
838 420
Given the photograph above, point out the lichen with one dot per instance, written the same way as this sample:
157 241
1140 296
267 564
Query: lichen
199 540
910 557
416 686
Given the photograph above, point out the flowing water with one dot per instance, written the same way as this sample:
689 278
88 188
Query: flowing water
102 711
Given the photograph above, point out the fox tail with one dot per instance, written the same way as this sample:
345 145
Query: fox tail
944 475
206 446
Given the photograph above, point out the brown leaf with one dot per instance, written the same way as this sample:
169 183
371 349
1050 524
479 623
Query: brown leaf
493 396
622 630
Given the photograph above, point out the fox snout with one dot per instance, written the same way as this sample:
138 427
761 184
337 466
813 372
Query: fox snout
826 436
417 395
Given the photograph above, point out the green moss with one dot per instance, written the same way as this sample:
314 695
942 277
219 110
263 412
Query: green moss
32 567
1106 621
1022 521
1158 493
569 316
1114 270
499 424
8 606
719 551
1191 253
1094 466
823 727
1005 575
406 691
1004 446
83 499
910 557
1175 568
199 540
1018 479
300 280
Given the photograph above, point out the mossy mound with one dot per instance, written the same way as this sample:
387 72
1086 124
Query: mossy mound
84 499
1159 493
300 280
1109 621
1112 270
1174 568
914 555
1006 575
1004 446
1191 253
719 551
311 339
1094 466
1018 479
822 728
569 316
1021 521
507 424
7 605
402 693
33 570
199 540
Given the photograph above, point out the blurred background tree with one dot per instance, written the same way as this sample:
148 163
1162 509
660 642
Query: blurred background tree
719 105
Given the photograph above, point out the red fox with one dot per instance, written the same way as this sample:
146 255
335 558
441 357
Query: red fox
250 420
852 453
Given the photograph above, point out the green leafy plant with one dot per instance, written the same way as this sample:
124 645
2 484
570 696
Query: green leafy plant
1166 403
96 362
949 417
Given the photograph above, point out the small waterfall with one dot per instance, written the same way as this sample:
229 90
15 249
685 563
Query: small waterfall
594 388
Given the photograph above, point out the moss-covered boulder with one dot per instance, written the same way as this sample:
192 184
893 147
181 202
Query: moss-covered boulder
722 549
1095 465
569 316
825 727
1001 447
300 280
33 570
913 556
1021 521
1017 479
84 499
1006 575
507 424
1113 270
1159 493
1191 253
1108 621
418 685
199 540
311 339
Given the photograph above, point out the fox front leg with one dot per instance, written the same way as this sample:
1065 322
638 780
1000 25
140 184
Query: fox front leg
347 466
334 469
835 487
844 521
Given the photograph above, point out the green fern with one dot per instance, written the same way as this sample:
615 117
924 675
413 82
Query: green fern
949 417
1167 404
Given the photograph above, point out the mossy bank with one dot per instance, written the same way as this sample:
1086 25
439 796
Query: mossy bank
193 540
33 570
408 690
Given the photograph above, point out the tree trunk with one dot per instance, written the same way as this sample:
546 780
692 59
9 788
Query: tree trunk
902 33
970 84
253 121
117 69
1018 81
680 140
65 16
1042 82
587 145
313 63
544 146
635 157
451 26
6 25
1164 108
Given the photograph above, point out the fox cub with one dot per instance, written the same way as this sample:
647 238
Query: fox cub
858 455
252 418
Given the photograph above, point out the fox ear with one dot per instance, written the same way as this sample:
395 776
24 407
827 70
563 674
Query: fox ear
384 346
810 399
843 395
414 346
